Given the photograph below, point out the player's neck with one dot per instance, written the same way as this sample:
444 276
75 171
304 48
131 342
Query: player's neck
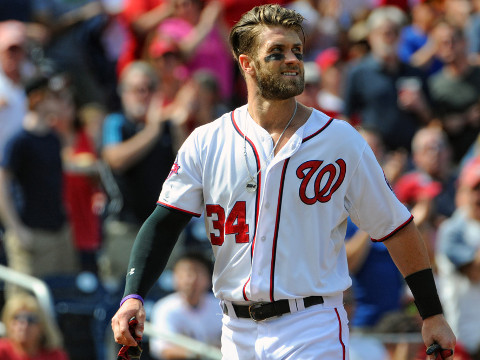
280 120
273 116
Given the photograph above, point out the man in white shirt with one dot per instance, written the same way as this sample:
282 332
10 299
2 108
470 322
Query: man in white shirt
13 101
192 310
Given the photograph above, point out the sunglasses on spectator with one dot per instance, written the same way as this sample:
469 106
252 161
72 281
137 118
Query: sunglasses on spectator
28 318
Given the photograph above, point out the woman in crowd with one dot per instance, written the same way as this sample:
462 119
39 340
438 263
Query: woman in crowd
30 334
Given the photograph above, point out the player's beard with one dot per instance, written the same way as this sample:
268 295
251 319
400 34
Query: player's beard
273 86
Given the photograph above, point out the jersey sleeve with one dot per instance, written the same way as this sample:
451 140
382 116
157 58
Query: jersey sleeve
183 188
371 202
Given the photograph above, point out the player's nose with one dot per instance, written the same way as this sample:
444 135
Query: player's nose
292 57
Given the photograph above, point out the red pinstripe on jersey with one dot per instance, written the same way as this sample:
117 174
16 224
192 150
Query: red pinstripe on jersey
259 185
277 225
394 231
319 131
340 333
178 209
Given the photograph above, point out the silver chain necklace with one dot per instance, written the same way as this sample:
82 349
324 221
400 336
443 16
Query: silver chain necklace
251 185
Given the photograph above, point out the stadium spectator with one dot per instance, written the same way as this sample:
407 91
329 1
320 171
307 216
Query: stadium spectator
457 12
81 191
473 33
84 196
383 91
165 58
191 310
458 261
38 238
13 100
404 5
329 24
198 30
74 45
417 44
429 188
393 163
331 66
137 147
197 103
377 285
235 9
139 18
313 37
455 91
30 333
362 345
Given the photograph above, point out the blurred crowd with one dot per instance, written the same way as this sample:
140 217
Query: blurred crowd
96 97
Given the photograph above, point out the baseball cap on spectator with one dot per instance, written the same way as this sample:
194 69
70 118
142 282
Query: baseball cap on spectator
12 33
470 174
327 58
416 186
161 46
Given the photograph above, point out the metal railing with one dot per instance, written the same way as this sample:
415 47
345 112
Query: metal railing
41 291
35 285
192 345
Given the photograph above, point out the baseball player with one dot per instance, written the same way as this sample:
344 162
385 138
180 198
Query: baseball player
276 182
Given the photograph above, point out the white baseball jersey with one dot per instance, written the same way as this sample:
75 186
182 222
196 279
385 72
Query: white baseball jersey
286 239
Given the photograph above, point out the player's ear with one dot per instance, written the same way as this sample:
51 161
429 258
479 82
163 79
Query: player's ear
246 64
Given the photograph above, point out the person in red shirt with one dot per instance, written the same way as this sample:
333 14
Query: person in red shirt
139 18
85 198
234 9
30 334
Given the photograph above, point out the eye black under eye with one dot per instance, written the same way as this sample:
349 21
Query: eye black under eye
274 57
299 56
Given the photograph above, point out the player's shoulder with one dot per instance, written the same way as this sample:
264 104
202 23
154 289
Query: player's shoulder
216 132
324 127
219 125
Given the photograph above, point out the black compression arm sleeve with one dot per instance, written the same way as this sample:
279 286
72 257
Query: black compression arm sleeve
152 248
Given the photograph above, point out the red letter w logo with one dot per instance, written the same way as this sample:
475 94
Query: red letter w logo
322 192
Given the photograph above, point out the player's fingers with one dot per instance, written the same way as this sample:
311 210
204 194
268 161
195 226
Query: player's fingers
139 329
121 331
435 351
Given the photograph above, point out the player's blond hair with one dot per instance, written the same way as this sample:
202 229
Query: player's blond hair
244 34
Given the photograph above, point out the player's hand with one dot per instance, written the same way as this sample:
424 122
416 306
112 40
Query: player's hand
435 329
130 308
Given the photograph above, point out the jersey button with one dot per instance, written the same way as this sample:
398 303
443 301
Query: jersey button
263 238
267 205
